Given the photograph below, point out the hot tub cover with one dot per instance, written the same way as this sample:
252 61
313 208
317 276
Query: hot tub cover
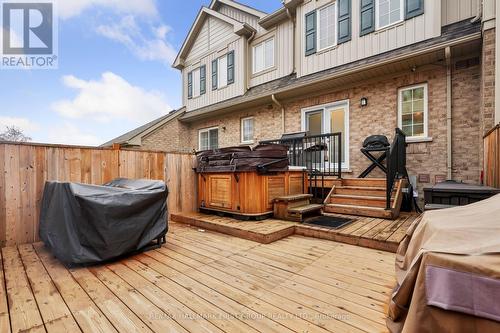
262 158
448 272
84 224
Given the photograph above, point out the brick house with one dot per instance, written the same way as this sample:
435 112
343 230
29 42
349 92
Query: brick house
359 67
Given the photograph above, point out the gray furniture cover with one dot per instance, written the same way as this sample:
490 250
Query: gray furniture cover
85 224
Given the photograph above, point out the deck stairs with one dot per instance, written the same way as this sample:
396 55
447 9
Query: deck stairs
364 197
295 207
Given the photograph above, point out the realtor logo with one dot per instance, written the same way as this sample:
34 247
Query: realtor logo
28 35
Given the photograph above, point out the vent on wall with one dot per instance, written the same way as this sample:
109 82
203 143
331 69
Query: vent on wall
463 64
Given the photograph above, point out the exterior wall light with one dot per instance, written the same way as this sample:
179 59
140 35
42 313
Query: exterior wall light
364 101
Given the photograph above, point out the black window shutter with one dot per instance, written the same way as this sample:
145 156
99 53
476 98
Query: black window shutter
344 19
413 8
310 31
214 74
367 17
230 67
203 79
190 85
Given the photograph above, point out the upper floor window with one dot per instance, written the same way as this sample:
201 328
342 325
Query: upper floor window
389 12
327 27
412 111
209 138
197 82
263 56
223 71
222 74
247 130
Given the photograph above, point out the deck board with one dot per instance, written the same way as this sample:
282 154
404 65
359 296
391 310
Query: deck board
202 281
375 233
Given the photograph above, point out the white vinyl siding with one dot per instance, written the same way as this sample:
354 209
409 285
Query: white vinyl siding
247 130
456 11
196 83
222 72
412 111
208 139
263 56
408 32
327 23
388 12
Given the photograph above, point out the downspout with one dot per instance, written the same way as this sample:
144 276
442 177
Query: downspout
294 26
449 116
249 55
275 101
479 15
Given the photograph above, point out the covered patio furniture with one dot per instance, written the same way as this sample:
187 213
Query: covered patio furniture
448 272
86 224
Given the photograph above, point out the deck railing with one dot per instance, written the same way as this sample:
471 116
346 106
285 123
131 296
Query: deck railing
319 154
396 164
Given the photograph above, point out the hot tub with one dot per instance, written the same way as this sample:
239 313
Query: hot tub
243 182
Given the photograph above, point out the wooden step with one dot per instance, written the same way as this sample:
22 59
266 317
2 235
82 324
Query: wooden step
365 182
305 209
295 197
360 190
359 200
297 214
358 210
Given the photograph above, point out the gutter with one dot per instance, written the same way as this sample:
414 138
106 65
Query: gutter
449 115
275 101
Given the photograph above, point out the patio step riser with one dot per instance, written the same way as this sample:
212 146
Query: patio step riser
364 182
353 201
369 192
358 211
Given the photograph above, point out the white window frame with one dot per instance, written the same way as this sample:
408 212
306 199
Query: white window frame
424 137
220 69
318 30
196 83
377 16
243 130
325 108
207 130
254 54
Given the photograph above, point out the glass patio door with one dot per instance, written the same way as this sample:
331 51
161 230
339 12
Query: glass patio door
332 118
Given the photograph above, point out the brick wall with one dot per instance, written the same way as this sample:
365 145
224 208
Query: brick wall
488 82
173 136
267 126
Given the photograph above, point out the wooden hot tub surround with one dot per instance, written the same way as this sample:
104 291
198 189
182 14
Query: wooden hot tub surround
247 193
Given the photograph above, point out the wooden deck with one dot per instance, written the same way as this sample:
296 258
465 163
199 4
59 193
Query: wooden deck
374 233
201 282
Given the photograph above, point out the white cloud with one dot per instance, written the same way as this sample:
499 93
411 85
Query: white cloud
25 124
71 8
151 48
111 99
69 134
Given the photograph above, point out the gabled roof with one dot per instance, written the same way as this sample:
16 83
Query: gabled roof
255 12
134 137
241 29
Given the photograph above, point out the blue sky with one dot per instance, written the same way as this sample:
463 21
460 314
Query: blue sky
114 70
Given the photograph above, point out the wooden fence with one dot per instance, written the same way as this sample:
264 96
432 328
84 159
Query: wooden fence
24 169
492 157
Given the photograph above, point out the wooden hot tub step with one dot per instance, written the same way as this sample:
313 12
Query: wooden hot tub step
297 214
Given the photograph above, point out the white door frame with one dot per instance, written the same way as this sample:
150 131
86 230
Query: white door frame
327 123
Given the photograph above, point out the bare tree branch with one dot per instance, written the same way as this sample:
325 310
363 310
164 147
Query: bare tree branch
14 134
